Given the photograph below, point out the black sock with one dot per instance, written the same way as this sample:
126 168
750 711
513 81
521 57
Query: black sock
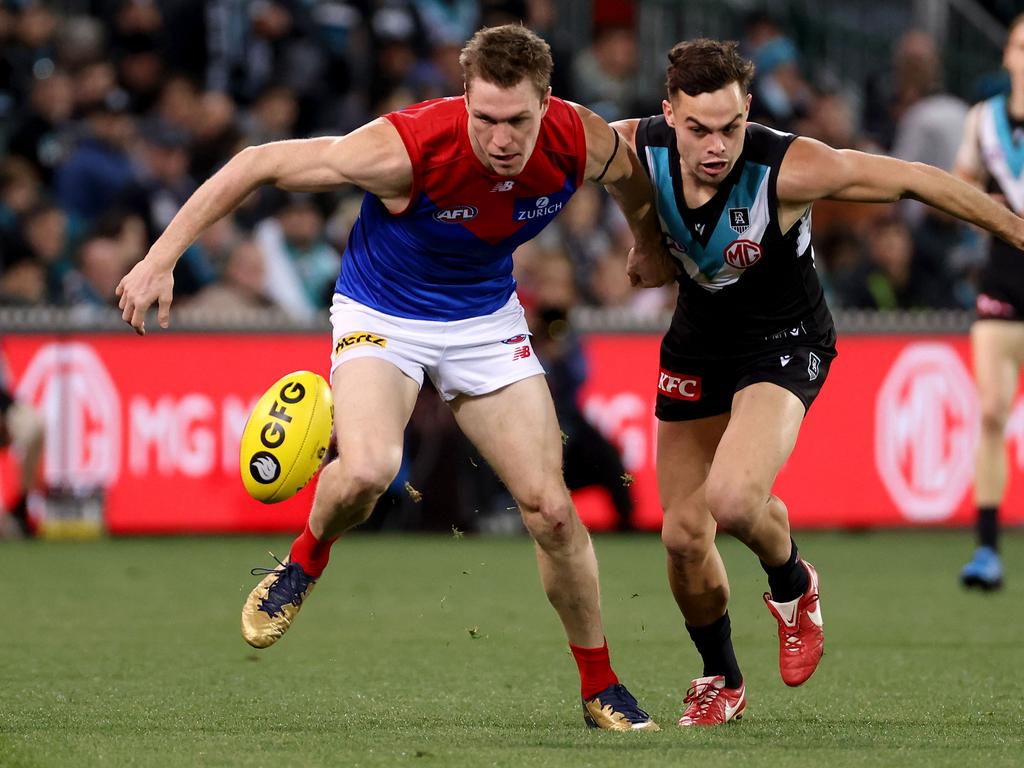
20 514
789 580
714 644
988 527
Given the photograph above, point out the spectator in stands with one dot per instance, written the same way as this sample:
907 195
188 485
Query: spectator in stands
99 266
43 135
604 73
895 277
22 279
242 285
99 169
301 265
45 232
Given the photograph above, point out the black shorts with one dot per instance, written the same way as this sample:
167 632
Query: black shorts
6 401
1001 284
692 385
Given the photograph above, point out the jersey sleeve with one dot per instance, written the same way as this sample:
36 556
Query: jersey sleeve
405 125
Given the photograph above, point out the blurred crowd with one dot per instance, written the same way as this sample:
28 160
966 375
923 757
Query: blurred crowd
111 116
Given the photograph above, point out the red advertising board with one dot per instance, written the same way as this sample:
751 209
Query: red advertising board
156 423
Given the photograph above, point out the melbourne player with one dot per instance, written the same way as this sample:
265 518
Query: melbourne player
750 344
453 187
992 158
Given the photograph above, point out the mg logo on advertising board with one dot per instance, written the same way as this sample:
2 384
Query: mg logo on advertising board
925 431
71 386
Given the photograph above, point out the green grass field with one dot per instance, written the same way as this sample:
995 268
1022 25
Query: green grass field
127 653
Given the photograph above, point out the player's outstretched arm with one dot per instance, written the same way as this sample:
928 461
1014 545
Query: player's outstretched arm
812 171
612 161
372 157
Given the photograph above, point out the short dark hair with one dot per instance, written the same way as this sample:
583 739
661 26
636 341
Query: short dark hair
505 56
702 66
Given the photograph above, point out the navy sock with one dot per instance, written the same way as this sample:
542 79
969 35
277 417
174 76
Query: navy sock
714 644
789 580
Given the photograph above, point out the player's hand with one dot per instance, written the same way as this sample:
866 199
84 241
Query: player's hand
138 290
649 267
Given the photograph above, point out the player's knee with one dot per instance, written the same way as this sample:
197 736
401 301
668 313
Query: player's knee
548 515
367 476
994 415
734 505
686 543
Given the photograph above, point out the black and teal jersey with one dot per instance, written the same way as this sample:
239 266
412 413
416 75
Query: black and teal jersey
1000 153
744 280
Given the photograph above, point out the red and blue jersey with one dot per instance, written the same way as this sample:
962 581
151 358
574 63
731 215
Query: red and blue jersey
448 255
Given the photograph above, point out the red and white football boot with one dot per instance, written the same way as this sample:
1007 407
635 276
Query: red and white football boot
709 702
801 639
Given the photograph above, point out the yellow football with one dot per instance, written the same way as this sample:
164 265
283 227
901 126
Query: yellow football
286 437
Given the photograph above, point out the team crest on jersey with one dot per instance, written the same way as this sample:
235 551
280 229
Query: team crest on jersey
455 214
739 220
543 207
743 253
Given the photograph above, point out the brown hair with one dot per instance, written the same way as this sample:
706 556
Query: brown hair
702 66
505 56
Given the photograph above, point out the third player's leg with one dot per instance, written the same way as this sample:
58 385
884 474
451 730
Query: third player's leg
762 432
373 401
997 348
516 430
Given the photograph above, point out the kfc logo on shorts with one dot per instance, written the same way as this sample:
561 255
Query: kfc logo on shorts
743 253
455 214
518 339
357 339
679 386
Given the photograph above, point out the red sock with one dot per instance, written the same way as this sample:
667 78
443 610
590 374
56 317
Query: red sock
311 553
595 669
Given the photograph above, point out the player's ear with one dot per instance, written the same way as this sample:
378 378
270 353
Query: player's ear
545 101
666 110
746 106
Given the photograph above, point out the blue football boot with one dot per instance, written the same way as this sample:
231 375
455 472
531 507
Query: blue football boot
985 570
615 709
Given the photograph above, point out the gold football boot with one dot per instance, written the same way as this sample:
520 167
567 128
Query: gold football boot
274 603
615 709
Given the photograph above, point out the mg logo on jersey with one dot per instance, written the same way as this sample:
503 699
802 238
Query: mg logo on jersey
455 214
743 253
71 386
529 208
680 386
925 431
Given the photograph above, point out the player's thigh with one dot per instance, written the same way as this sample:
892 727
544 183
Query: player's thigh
762 431
516 431
997 351
686 450
373 401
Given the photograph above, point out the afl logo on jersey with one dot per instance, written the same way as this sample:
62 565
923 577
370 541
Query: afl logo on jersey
454 214
743 253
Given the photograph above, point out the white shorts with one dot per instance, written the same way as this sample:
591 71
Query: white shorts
462 357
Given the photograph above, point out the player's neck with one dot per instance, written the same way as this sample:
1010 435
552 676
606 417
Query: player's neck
696 191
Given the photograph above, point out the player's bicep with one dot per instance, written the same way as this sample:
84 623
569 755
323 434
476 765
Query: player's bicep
813 171
372 157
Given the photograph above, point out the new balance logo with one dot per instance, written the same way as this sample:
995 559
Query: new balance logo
785 360
520 353
503 186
